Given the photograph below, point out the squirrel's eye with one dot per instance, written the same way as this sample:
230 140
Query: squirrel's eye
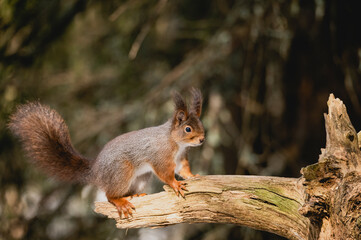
188 129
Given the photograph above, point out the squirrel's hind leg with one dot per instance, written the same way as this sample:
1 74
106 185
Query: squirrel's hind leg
124 207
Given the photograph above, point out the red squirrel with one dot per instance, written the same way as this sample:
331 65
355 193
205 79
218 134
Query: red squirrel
125 164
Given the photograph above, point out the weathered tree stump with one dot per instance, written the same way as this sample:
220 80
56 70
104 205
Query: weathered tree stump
323 204
333 185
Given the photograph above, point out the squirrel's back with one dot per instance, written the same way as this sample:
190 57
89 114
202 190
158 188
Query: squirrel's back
133 149
138 144
46 140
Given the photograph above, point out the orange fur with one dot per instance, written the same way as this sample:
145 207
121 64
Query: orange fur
185 171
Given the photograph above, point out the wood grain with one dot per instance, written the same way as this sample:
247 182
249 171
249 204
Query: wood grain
265 203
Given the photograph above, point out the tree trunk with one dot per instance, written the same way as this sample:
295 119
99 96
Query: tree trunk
323 204
333 185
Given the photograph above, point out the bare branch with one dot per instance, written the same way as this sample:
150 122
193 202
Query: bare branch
266 203
138 41
145 30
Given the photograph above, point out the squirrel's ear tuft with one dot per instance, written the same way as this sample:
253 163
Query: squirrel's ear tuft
196 106
181 111
180 104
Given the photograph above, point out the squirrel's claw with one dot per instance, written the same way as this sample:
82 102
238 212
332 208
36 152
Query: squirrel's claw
123 206
179 187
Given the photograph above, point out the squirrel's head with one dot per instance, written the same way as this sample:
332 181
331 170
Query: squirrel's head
187 129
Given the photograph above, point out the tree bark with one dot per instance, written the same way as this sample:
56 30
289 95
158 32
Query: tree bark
265 203
333 185
323 204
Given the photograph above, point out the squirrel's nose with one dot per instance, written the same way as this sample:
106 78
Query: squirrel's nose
201 140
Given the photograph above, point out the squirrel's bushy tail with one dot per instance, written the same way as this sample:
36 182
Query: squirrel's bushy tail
46 140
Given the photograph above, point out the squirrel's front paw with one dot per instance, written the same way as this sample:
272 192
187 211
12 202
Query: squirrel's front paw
179 187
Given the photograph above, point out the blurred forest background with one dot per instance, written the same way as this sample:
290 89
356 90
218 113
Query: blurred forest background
265 67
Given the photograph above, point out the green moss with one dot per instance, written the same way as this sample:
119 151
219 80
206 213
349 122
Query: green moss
311 172
275 199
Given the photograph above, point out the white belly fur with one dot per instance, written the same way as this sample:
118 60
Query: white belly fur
177 157
137 185
144 168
